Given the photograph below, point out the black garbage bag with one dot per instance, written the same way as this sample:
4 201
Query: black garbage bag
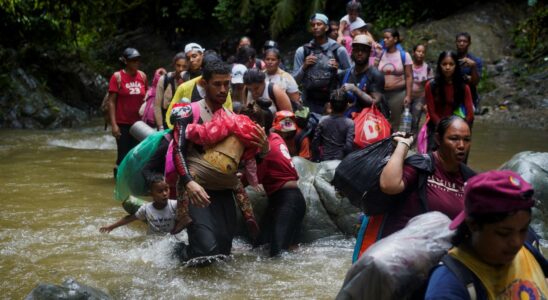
358 175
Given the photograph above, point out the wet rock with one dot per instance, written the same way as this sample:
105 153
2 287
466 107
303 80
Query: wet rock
489 25
327 213
533 167
28 109
28 104
70 289
317 222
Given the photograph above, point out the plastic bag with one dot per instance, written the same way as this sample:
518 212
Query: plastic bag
220 127
399 265
359 173
130 180
422 137
370 127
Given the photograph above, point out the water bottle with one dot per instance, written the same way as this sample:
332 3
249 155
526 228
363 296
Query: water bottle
405 121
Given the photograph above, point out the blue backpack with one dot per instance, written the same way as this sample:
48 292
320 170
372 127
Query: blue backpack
399 47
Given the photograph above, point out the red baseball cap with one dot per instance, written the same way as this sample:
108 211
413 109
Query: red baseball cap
494 192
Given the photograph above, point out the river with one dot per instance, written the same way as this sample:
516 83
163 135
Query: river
56 189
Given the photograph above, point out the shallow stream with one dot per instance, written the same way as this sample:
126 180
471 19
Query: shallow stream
56 191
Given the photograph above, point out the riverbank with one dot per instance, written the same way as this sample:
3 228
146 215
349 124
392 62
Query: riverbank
47 88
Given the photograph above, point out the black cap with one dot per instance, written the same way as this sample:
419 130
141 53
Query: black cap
130 53
270 44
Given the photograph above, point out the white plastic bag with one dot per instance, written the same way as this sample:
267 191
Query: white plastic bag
396 266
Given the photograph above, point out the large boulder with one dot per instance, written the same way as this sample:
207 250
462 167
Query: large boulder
489 24
327 213
70 289
533 167
27 103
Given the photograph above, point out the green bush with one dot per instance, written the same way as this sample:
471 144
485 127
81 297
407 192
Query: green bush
530 34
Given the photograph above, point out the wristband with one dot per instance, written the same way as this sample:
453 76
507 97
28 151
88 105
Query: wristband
160 128
405 143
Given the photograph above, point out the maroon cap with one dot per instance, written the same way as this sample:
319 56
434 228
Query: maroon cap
494 192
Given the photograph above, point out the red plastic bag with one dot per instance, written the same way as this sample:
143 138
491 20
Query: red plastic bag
221 126
370 127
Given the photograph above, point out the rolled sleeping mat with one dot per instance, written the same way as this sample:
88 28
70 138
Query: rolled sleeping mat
140 130
132 204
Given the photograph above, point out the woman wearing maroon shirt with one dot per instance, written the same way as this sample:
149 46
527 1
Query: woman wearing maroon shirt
126 89
286 205
447 94
444 186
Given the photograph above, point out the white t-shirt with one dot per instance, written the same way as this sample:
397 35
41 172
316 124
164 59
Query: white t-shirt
159 220
283 80
346 30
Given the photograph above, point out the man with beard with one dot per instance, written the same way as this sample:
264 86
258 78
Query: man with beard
211 215
363 84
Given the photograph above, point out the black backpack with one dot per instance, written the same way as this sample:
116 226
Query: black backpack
320 76
308 131
169 79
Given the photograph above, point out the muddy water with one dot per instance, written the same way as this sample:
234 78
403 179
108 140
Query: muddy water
56 191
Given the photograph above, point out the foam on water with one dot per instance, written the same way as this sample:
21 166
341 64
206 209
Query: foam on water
104 142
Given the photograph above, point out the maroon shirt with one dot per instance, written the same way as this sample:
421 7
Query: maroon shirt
276 168
444 193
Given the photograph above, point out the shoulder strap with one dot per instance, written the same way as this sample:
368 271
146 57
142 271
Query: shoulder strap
118 77
271 92
466 172
538 256
195 112
144 76
464 275
186 76
333 49
307 49
166 80
402 53
169 79
347 75
422 182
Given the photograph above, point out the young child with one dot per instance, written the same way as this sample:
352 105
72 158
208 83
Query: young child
334 135
160 214
353 9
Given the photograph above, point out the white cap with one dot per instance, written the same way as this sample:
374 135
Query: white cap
238 71
359 23
193 46
362 39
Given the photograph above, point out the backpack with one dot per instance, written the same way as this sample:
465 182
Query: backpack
469 279
308 131
399 47
169 79
104 104
321 75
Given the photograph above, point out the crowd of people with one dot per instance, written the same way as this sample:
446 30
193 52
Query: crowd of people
309 112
